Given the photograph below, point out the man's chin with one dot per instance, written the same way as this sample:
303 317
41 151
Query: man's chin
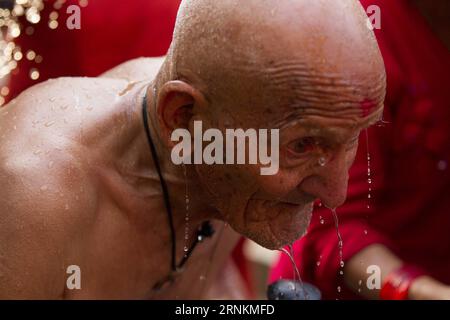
274 235
275 240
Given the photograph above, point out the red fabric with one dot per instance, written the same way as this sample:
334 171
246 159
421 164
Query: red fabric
410 205
111 32
397 283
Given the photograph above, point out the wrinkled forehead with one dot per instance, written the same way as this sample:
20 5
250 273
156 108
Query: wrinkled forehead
327 60
290 90
325 90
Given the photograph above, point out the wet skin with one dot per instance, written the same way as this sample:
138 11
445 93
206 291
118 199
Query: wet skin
80 187
75 192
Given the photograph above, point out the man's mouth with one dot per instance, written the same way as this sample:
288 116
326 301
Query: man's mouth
307 199
262 210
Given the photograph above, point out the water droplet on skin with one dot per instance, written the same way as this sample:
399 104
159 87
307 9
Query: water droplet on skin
90 108
340 241
369 180
66 207
44 188
318 263
202 278
186 195
49 124
339 289
321 218
52 99
37 152
365 232
186 249
322 161
322 221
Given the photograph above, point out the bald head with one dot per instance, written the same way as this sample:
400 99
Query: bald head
221 46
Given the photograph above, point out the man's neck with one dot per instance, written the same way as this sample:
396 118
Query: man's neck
181 180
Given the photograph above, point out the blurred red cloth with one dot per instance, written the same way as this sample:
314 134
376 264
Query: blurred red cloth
111 32
410 205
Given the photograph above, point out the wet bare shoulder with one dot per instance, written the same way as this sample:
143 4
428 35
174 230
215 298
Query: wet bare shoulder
142 69
59 110
42 155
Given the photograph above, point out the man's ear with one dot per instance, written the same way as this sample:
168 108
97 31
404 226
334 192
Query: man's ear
175 107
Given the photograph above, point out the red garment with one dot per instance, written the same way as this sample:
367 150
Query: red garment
111 32
410 158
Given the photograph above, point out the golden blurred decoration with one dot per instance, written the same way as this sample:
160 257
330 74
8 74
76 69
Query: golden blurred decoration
10 12
31 55
4 91
34 74
53 24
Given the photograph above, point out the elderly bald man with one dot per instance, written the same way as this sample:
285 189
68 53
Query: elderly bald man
85 164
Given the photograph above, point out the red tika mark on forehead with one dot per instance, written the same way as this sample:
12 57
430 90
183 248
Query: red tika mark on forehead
367 106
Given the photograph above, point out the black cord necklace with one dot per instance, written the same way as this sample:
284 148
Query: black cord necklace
205 230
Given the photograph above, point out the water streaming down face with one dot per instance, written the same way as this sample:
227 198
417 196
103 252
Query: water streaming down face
296 276
369 173
369 177
186 226
335 216
340 244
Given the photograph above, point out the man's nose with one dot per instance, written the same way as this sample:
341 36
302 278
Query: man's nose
330 181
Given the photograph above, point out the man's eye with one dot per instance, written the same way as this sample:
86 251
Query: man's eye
303 145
